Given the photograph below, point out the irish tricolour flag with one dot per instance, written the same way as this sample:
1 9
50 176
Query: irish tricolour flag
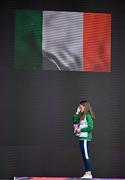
59 40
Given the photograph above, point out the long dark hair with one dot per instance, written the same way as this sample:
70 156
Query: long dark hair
88 108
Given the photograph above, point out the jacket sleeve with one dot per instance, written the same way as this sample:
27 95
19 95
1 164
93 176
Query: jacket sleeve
75 119
90 124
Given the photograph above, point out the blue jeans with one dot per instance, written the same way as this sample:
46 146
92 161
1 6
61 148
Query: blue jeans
84 148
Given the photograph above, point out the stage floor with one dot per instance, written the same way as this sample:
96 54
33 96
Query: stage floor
61 178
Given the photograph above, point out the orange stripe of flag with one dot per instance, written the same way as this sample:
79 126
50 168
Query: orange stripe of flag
97 42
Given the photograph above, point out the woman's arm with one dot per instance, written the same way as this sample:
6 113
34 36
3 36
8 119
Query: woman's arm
76 119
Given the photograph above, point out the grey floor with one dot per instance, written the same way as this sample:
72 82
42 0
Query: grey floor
52 178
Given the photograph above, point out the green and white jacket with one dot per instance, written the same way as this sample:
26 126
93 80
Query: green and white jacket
85 125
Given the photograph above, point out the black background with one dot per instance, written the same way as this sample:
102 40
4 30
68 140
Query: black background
36 107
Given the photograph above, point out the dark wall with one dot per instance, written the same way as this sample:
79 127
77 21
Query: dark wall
36 109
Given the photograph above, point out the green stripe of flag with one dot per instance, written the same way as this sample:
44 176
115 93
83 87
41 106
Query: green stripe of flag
28 39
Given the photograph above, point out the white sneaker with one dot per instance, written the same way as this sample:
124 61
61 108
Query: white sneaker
87 176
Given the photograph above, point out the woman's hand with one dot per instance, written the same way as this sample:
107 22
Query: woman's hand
78 110
78 130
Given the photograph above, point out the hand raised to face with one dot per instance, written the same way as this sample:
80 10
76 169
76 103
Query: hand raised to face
80 108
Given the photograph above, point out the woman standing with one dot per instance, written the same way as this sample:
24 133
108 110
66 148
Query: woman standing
83 126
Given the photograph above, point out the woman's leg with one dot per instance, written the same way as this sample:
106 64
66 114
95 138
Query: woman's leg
84 148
